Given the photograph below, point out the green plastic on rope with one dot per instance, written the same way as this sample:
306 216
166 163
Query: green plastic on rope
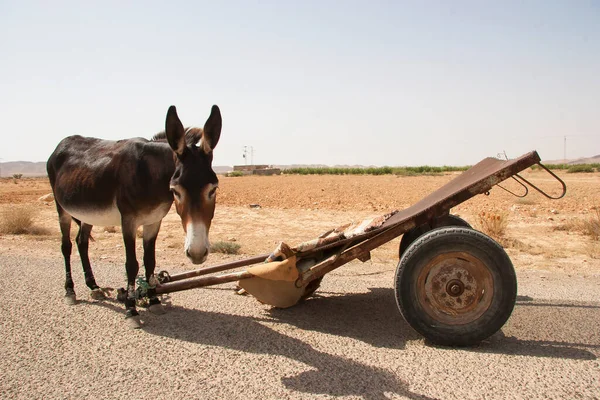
143 287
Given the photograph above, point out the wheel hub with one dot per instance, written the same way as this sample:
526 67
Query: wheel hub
455 288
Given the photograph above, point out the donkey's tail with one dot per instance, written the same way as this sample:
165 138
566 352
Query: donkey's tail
78 222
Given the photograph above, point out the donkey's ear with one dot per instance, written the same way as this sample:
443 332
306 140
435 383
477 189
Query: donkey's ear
212 130
175 132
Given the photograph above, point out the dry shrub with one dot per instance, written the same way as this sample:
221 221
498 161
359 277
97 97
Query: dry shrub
591 226
593 250
512 243
588 227
20 221
568 226
493 223
555 253
225 247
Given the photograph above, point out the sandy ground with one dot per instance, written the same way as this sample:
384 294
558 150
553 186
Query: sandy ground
349 342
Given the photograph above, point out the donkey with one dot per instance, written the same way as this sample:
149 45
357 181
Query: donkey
133 183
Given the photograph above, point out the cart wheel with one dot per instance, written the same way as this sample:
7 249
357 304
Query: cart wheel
455 286
448 220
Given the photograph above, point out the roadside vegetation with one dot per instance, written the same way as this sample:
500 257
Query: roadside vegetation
580 168
20 220
401 171
225 247
235 174
419 170
588 226
591 225
492 223
595 167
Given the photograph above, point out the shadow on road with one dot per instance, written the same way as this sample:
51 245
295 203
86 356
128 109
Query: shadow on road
330 374
374 318
371 317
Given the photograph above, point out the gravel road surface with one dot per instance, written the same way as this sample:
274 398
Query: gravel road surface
349 342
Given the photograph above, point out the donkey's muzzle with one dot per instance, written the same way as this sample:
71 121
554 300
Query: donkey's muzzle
195 257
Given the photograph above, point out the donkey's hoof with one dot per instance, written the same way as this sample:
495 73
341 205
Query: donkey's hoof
157 309
97 294
134 322
70 299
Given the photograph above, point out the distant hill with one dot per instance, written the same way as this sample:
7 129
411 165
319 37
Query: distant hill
586 160
26 168
282 167
32 169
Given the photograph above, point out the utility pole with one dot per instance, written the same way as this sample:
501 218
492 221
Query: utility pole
565 149
245 155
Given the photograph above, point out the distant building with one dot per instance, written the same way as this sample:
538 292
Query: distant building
257 169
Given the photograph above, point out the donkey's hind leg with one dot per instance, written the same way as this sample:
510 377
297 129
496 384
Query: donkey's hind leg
64 220
83 240
150 234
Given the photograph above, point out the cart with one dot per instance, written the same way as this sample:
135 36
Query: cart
453 284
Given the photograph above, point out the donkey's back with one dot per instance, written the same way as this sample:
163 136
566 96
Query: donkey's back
96 180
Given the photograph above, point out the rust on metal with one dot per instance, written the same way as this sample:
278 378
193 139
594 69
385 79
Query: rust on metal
455 288
563 184
201 282
364 257
217 268
478 179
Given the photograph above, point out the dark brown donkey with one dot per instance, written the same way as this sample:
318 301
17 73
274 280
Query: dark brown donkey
133 183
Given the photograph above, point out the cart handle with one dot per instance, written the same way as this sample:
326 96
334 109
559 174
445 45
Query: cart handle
514 194
564 186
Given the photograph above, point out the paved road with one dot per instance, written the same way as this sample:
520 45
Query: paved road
350 342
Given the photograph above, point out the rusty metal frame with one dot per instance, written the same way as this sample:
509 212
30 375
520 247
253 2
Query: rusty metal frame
514 194
564 185
479 179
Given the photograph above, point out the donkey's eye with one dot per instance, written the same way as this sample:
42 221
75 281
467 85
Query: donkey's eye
213 192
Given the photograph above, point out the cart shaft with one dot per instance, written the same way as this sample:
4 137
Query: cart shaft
218 268
201 282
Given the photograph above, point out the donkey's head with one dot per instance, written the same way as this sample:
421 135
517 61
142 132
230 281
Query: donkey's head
194 183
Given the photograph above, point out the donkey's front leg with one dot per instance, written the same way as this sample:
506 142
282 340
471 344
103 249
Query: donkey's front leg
150 234
132 267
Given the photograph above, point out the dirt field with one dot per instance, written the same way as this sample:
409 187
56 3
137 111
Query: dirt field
297 208
348 342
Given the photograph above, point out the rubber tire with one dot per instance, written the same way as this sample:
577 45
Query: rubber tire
409 237
452 239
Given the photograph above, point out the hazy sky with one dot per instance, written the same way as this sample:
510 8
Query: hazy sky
330 82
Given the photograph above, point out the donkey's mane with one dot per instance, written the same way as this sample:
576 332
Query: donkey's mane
192 136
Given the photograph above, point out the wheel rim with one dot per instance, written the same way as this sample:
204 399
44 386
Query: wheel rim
455 288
